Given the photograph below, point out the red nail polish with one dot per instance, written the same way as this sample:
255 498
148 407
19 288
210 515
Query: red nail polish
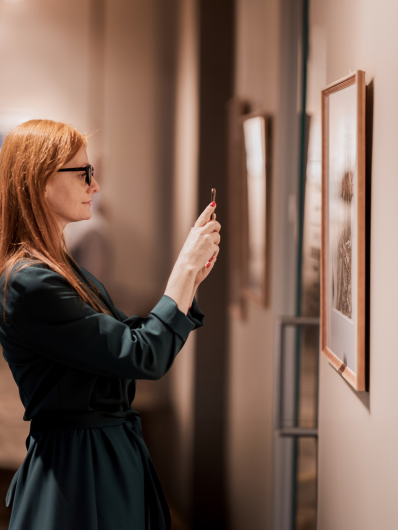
211 259
207 265
212 204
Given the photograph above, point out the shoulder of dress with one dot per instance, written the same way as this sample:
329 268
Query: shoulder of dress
30 275
27 267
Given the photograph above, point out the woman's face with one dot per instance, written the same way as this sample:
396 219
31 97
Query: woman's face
68 194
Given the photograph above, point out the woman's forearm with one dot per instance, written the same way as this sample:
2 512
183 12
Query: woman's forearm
181 286
195 288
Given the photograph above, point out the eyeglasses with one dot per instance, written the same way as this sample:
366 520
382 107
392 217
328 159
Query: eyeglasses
89 170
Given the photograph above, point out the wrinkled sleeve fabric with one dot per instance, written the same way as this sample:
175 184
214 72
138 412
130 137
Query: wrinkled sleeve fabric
49 317
195 315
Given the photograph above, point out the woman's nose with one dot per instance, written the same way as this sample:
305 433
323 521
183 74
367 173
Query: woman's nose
95 186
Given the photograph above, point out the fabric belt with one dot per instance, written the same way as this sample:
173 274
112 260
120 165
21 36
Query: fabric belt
70 419
157 510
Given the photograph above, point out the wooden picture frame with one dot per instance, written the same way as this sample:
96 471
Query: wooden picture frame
236 107
255 195
343 250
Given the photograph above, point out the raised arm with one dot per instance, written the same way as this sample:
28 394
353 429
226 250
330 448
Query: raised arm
46 316
195 261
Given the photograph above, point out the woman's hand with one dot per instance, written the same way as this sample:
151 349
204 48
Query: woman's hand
201 248
205 271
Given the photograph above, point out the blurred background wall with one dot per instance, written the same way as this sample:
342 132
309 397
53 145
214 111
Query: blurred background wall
150 81
250 426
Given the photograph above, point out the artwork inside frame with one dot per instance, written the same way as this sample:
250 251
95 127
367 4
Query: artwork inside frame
255 194
343 254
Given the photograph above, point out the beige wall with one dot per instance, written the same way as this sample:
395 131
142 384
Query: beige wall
44 49
358 438
134 172
250 431
185 184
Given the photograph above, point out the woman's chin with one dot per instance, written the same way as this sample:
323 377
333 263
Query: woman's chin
87 212
85 216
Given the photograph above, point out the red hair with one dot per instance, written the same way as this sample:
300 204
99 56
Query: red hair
30 155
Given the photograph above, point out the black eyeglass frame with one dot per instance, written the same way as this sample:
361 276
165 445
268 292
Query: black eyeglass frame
89 170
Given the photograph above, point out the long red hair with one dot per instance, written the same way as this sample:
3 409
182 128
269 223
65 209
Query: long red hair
30 155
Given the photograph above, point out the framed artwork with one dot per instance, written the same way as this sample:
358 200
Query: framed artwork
257 157
236 107
343 250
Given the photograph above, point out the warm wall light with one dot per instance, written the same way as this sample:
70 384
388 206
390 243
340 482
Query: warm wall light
9 117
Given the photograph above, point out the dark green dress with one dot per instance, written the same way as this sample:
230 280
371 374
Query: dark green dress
87 466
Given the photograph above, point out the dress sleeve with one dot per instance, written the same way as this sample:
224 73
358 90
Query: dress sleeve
48 317
195 315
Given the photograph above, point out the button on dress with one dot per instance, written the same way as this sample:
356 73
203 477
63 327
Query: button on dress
87 466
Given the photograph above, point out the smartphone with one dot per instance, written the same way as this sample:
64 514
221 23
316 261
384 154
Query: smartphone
213 198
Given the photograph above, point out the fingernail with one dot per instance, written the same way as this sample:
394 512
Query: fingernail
211 259
207 265
212 204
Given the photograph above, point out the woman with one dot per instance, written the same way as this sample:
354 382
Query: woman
73 355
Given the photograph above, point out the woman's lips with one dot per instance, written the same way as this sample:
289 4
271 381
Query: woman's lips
88 202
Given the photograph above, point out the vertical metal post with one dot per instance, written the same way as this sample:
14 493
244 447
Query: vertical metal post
301 203
303 149
293 432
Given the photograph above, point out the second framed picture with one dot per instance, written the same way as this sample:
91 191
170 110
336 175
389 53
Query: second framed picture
343 255
256 179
